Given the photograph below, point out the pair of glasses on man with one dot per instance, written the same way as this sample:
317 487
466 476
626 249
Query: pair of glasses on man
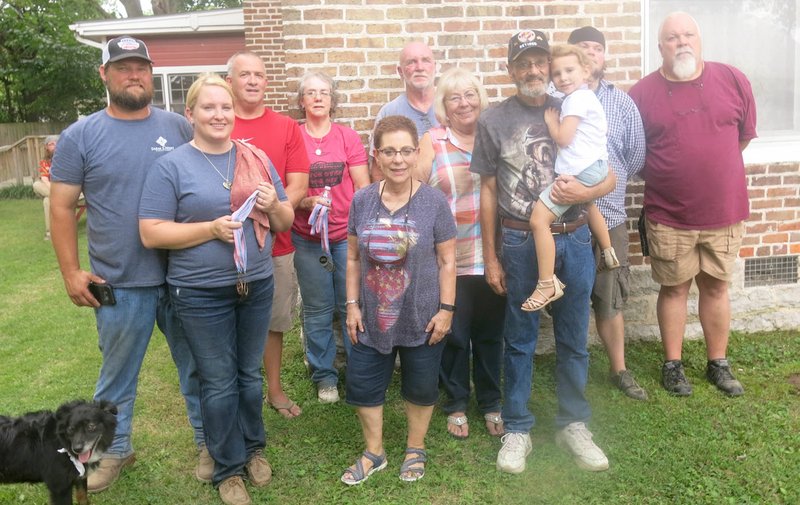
405 152
313 93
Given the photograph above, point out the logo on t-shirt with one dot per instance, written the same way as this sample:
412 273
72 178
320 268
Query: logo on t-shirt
162 145
325 173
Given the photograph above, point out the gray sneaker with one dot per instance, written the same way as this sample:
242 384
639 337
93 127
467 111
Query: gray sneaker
674 379
625 382
718 372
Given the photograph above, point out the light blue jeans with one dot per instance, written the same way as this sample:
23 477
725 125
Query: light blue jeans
226 334
575 268
124 331
323 294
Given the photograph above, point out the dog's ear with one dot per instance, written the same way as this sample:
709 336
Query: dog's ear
108 406
64 410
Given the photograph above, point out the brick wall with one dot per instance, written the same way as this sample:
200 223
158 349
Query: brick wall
358 43
263 21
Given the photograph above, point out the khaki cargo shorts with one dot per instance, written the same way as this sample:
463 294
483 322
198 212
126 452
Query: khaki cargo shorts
678 255
284 299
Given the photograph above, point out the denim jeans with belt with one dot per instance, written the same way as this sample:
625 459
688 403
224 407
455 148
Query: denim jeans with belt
575 268
477 325
124 332
323 293
226 335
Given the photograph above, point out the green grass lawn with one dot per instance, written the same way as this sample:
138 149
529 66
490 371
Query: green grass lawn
696 450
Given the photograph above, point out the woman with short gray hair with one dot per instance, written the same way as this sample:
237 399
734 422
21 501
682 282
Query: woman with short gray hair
338 168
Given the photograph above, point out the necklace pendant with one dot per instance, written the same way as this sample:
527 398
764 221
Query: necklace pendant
318 152
227 185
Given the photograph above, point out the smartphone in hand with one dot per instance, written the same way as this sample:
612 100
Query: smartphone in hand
103 293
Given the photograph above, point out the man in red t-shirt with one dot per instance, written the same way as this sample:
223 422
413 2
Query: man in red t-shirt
698 117
279 136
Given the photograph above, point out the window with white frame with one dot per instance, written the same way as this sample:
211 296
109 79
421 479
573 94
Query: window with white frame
759 37
170 85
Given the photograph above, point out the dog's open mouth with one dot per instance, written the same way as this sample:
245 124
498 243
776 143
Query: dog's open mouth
86 455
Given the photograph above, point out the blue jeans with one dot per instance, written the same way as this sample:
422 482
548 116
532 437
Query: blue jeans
226 335
124 331
323 293
575 268
477 325
188 376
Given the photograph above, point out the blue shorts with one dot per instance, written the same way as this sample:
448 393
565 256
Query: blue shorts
592 175
370 372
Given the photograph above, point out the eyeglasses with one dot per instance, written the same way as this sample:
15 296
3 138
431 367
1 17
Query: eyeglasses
313 93
405 152
469 96
541 64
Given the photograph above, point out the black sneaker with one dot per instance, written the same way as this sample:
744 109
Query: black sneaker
718 372
674 380
625 382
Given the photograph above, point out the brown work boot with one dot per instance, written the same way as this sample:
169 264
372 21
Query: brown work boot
205 465
233 492
107 473
258 469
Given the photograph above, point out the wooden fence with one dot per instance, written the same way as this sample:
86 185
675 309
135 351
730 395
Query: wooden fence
12 132
19 162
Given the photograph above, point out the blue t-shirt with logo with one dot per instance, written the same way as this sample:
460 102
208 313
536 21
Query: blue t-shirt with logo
109 159
186 187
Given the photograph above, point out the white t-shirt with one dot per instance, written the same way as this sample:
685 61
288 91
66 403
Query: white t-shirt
589 144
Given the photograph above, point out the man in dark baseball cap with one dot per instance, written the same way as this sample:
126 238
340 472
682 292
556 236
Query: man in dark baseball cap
123 47
106 156
514 154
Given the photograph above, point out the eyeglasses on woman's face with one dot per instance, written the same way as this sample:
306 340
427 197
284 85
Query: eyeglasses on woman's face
313 93
469 96
406 152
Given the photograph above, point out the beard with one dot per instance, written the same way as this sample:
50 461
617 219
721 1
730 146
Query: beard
684 66
524 88
130 101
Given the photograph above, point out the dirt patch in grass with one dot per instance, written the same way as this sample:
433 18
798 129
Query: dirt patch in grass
794 380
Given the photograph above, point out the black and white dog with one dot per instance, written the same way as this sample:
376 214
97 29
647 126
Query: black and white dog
57 448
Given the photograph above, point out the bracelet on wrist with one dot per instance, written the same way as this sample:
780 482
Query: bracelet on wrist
353 302
447 307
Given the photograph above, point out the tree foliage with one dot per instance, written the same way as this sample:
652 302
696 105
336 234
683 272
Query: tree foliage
45 73
133 8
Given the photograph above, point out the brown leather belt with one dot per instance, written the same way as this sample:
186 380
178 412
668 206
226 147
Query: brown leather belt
555 228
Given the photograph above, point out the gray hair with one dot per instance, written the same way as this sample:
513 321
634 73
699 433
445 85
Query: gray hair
50 138
322 76
236 55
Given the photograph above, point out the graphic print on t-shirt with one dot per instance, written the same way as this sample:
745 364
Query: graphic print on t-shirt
540 156
388 243
325 173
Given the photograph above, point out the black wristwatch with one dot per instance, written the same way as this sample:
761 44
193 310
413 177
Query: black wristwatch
447 307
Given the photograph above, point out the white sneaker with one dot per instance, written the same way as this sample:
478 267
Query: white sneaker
328 394
577 439
511 457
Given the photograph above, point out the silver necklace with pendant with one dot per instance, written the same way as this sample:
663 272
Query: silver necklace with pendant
318 142
226 179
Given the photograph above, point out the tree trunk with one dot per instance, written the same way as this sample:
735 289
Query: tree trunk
133 8
161 7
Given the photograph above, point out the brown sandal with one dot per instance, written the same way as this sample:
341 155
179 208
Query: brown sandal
532 304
